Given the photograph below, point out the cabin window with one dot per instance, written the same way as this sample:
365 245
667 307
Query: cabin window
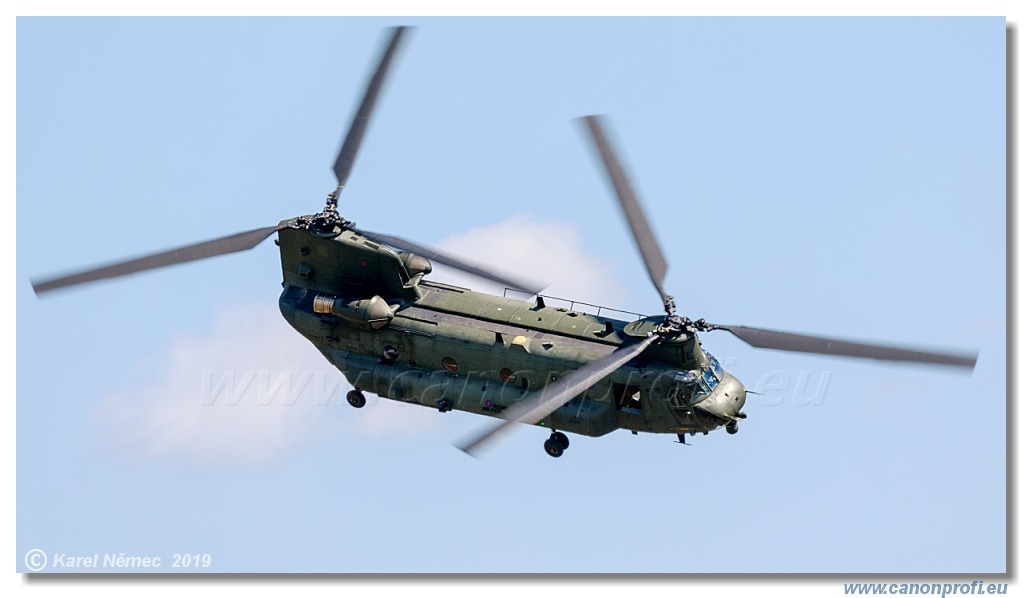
627 398
508 375
450 364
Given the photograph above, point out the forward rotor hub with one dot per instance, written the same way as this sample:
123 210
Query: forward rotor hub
674 325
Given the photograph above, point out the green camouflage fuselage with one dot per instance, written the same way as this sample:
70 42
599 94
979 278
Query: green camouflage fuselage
368 310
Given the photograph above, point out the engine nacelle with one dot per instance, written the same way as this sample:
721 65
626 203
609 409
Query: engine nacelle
415 264
373 312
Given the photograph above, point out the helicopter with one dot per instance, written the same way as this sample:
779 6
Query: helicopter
364 300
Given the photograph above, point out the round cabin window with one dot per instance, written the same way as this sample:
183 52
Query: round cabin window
508 375
450 364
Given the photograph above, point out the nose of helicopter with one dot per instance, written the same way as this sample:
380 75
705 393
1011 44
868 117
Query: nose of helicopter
727 398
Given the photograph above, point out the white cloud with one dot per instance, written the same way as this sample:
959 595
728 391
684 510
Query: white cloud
251 389
248 390
220 395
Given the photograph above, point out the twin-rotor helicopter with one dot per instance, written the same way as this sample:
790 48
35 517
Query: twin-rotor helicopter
363 299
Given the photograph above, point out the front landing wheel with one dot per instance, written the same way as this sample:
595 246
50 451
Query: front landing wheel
356 399
553 447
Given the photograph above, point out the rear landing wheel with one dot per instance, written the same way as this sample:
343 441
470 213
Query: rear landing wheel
561 438
356 399
553 447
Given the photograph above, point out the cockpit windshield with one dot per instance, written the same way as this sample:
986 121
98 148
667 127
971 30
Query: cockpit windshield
709 379
715 366
702 382
710 375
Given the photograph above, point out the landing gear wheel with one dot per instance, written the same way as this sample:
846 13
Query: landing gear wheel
732 427
562 439
553 447
356 399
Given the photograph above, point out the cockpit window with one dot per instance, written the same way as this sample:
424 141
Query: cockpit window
710 380
710 375
715 366
699 384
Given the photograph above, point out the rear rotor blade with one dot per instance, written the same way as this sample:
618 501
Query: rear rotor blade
531 287
349 149
788 341
541 403
189 253
645 240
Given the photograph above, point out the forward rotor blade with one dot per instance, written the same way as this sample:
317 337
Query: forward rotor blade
181 255
541 403
787 341
349 149
645 240
531 287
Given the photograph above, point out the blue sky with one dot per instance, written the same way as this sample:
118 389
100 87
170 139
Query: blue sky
831 176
